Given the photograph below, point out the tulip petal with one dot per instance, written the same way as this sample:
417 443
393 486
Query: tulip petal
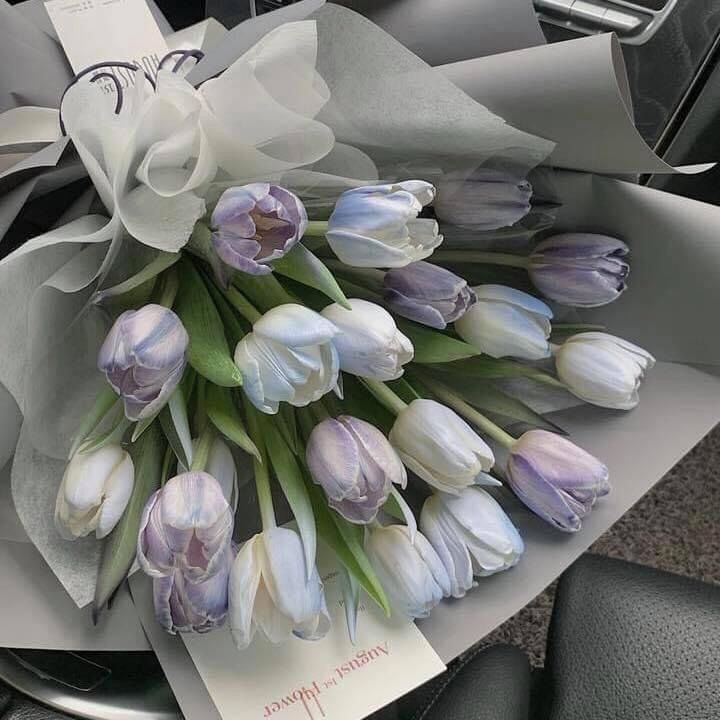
242 591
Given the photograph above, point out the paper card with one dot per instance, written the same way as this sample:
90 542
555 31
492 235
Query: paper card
93 31
330 678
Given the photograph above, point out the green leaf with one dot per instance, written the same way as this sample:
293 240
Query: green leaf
432 346
161 263
225 416
119 548
287 424
346 544
492 369
106 400
357 401
264 291
291 481
112 434
303 267
208 352
234 330
404 390
175 425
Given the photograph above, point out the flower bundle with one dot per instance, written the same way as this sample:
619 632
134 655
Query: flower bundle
255 303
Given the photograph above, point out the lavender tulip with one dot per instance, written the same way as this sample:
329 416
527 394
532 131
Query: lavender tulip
556 479
187 526
182 605
410 571
143 358
256 224
472 536
355 465
580 269
378 225
271 590
427 293
485 200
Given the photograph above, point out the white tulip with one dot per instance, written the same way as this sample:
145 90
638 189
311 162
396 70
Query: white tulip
409 570
378 225
94 492
505 322
269 589
439 446
603 369
368 342
288 357
471 534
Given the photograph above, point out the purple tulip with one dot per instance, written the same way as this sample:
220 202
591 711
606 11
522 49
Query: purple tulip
143 358
427 293
256 224
186 526
485 200
580 269
355 465
556 479
182 605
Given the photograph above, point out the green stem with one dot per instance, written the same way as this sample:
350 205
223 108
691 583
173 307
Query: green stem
469 413
477 256
316 228
202 448
264 291
169 285
201 416
384 395
577 328
105 401
260 466
242 305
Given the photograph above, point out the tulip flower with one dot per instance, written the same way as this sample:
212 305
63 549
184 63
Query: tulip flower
182 605
143 358
256 224
427 293
378 226
186 525
580 269
472 536
410 571
269 590
603 369
94 492
505 322
439 446
556 479
289 356
486 200
355 465
368 341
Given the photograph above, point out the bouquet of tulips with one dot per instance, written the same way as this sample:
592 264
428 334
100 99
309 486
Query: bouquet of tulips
242 307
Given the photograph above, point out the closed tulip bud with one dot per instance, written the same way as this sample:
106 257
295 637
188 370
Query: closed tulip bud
355 465
409 570
439 446
556 479
182 605
269 590
485 200
427 293
505 322
580 269
94 492
256 224
378 226
187 526
603 369
368 341
288 357
143 358
472 536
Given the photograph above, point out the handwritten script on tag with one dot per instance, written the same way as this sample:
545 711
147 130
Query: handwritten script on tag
330 679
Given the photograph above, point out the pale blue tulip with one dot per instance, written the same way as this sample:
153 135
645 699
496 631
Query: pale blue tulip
288 357
271 590
355 465
505 322
410 571
143 358
471 534
378 226
555 478
368 341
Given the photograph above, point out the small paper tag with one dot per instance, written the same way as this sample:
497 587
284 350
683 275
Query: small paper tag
95 31
321 680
